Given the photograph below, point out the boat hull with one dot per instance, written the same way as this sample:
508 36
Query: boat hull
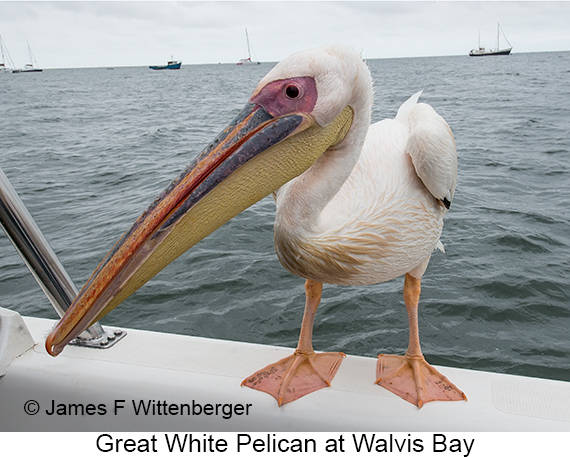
247 62
500 52
175 66
35 70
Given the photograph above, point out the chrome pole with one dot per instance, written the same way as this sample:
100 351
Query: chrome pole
43 263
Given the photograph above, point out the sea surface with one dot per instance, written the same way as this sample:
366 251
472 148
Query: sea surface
89 149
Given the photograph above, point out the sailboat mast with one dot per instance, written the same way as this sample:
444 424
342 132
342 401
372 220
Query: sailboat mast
2 64
497 36
6 57
247 39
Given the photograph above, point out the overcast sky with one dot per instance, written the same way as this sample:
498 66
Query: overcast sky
100 34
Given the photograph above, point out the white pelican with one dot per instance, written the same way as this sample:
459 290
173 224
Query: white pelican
356 204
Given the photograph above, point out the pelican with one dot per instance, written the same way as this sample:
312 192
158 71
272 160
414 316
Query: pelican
356 204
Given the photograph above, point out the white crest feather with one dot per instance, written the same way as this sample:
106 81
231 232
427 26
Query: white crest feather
407 106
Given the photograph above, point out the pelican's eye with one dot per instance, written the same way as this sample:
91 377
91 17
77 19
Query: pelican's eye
293 91
286 96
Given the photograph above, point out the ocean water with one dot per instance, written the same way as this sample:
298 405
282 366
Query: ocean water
89 149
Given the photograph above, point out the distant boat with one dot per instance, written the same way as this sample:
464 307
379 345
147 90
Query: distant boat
32 67
171 65
481 51
4 67
247 61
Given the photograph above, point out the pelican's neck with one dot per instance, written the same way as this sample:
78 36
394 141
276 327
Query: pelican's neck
343 80
301 201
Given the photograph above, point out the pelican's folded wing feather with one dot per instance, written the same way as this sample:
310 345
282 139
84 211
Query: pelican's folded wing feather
432 148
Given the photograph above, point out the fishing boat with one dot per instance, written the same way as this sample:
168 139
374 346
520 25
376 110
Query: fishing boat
134 380
170 65
31 67
247 61
482 51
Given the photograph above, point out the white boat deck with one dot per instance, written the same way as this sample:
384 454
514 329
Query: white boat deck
180 375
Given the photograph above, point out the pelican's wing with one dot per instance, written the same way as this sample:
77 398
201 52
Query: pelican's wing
432 148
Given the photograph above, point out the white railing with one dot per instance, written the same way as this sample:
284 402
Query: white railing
43 263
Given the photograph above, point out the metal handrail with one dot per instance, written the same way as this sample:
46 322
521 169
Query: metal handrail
43 263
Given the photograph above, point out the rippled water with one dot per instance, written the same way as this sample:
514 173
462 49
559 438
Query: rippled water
89 149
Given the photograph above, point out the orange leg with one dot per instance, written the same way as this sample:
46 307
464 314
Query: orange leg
410 376
305 371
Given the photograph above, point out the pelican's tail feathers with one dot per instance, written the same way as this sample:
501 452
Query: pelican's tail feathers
404 110
440 246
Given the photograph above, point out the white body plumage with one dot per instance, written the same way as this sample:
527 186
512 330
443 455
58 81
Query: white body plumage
371 209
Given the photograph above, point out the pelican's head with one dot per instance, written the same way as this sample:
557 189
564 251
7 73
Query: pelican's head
305 106
337 75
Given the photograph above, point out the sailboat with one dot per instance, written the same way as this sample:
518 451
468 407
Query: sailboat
31 67
481 51
4 68
247 61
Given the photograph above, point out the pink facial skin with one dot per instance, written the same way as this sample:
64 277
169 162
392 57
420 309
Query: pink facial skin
286 96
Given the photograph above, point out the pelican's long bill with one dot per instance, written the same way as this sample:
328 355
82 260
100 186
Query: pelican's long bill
255 155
